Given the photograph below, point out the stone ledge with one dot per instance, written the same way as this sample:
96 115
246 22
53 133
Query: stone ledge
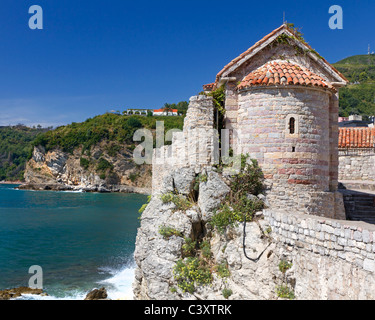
352 241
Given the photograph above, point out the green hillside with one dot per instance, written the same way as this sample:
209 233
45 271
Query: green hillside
112 127
17 142
15 148
359 96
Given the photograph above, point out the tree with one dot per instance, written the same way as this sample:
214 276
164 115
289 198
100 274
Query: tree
167 108
182 107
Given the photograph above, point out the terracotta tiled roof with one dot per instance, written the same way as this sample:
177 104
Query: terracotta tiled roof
209 87
357 137
162 110
280 72
267 37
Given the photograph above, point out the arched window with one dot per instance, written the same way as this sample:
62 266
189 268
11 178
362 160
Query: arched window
292 125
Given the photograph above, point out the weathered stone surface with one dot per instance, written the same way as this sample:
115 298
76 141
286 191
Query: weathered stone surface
211 194
184 179
97 294
193 148
358 166
58 170
155 255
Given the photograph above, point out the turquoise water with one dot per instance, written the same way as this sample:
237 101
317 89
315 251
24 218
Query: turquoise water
81 240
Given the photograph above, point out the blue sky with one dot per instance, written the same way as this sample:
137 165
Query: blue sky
94 56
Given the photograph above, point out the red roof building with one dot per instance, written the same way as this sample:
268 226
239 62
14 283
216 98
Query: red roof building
357 138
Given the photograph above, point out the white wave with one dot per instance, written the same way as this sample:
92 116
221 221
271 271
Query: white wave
120 284
69 296
74 191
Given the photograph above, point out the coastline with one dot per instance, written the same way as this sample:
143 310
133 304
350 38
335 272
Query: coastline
56 216
99 189
12 182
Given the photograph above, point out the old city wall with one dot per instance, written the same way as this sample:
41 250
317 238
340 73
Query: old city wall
332 259
357 165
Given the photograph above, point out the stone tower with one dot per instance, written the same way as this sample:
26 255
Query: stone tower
282 104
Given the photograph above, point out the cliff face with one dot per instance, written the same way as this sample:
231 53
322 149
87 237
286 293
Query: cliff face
103 169
161 257
279 255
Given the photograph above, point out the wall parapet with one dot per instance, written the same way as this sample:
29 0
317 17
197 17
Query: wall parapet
350 241
194 147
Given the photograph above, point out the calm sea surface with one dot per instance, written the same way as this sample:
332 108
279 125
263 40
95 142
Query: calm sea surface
81 240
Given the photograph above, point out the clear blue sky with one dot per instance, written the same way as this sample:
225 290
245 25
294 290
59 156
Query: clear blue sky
94 56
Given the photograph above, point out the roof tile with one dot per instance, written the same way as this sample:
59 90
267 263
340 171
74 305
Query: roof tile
357 137
284 72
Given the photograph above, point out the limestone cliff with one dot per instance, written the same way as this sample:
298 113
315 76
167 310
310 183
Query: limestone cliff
231 274
103 169
279 255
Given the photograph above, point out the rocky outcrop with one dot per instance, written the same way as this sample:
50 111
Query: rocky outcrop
97 294
99 170
279 255
18 292
157 255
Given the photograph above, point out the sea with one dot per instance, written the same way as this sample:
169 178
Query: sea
80 241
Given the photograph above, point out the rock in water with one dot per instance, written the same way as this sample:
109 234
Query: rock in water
97 294
17 292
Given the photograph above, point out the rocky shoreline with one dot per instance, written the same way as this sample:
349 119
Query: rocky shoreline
102 172
96 188
11 182
8 294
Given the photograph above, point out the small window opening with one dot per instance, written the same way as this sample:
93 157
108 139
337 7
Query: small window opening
293 149
292 125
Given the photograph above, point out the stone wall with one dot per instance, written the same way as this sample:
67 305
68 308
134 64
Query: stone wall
357 165
331 259
299 168
299 158
194 147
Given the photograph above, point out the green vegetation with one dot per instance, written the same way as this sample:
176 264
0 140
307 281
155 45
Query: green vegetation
181 107
205 247
188 248
241 203
85 163
359 96
167 232
180 202
226 293
219 99
111 127
16 146
190 272
298 35
218 96
284 265
222 269
103 165
283 290
196 266
17 142
133 176
143 208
